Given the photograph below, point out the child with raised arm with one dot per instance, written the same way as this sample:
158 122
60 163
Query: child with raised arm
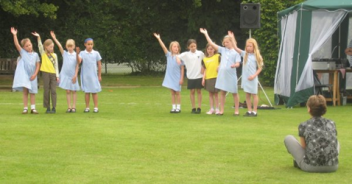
69 71
192 59
210 65
90 73
227 76
50 72
25 78
318 148
251 68
174 73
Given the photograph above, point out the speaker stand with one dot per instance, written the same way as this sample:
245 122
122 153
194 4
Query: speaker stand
267 98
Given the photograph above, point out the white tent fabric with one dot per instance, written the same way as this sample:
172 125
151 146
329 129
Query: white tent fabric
324 24
283 74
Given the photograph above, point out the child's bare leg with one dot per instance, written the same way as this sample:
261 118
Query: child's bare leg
95 99
25 98
211 100
222 101
255 102
237 102
74 99
87 98
199 94
178 97
249 102
173 97
32 96
216 100
178 101
68 98
191 95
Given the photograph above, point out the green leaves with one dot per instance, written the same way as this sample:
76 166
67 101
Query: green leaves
29 7
122 30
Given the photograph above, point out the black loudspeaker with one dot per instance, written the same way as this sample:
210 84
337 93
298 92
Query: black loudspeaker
250 15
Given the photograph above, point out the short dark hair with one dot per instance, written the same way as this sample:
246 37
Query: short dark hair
190 41
317 105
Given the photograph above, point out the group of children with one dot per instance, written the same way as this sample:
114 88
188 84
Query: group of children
317 151
30 64
216 72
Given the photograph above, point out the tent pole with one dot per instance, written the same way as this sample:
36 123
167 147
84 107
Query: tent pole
261 87
265 93
250 33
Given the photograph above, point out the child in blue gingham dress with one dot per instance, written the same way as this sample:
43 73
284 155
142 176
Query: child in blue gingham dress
69 71
174 73
251 68
25 78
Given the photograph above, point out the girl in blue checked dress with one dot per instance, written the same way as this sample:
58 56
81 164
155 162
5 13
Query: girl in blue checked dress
90 78
68 74
174 73
227 76
251 68
26 72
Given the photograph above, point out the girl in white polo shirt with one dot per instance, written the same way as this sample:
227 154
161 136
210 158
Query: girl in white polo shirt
192 59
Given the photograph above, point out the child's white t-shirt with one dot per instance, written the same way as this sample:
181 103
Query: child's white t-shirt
193 63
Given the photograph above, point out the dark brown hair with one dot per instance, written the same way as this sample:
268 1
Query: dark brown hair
317 105
190 41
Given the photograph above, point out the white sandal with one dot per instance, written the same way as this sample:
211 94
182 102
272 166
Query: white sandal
95 110
25 111
33 111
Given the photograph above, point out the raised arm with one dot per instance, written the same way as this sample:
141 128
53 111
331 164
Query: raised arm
205 32
157 36
15 39
57 42
40 45
234 42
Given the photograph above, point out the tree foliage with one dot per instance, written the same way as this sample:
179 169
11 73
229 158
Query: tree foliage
28 7
123 30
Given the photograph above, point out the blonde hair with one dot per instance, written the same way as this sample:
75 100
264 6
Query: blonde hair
206 48
24 41
47 42
227 37
70 42
178 45
256 51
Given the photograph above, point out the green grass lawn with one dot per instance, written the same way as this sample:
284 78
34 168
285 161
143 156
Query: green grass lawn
134 139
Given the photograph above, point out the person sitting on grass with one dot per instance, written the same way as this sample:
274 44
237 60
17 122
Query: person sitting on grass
319 148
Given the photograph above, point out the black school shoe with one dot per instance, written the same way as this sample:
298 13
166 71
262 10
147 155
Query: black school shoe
53 110
173 111
198 110
194 111
48 111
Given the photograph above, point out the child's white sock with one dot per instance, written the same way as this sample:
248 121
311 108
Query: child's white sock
173 106
25 108
178 106
253 112
33 106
